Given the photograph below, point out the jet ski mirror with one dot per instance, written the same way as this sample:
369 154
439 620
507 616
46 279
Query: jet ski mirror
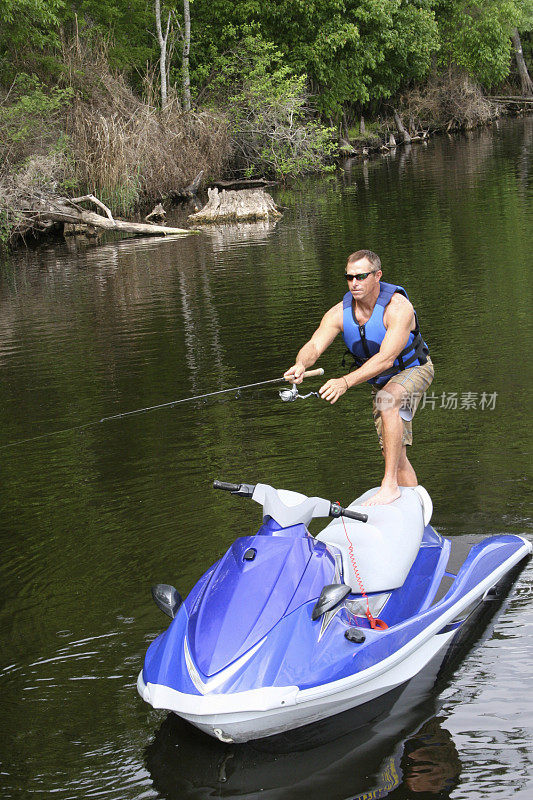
330 596
167 598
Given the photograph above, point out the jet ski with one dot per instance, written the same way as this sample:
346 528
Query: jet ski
287 628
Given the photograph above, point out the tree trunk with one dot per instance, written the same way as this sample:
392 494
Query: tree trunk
344 127
185 56
525 80
404 134
162 39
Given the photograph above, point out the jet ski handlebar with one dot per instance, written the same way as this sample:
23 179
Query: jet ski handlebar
337 510
247 490
239 489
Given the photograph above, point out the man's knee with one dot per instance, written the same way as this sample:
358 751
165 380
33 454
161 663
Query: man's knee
388 402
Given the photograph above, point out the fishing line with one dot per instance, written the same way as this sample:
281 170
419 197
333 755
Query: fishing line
309 374
52 433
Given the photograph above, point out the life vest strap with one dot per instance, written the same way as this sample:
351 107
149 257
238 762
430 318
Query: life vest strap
416 351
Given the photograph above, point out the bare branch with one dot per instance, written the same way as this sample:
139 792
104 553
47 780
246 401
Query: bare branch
92 199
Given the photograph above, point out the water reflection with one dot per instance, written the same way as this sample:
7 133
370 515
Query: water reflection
364 753
222 237
430 762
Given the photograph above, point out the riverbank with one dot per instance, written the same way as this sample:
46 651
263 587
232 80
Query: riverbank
447 103
95 136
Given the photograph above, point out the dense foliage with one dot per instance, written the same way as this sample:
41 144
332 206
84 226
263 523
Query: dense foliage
351 51
476 35
277 76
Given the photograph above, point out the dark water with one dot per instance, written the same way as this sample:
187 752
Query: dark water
89 519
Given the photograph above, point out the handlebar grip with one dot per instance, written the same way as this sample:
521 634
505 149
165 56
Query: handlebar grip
311 373
336 510
354 515
228 487
238 489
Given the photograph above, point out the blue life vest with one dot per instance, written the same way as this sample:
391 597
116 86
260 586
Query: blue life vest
364 341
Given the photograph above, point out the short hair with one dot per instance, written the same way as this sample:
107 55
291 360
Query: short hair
369 255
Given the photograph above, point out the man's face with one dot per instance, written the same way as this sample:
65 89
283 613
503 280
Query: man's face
362 288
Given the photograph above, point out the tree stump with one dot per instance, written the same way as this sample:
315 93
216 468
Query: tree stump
245 205
157 214
190 191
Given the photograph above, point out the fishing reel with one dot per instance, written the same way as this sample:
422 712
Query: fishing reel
289 395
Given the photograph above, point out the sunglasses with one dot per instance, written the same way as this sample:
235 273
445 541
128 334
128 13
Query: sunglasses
361 276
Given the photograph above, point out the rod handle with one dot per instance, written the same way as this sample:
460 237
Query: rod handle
311 373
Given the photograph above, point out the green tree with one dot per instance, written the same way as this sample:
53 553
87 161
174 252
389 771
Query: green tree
359 50
352 51
267 108
29 29
476 36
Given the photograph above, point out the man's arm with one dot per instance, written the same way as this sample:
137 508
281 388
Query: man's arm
330 326
399 323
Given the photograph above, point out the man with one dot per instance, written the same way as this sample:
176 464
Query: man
381 331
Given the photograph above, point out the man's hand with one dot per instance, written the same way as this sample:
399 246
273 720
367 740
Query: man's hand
328 329
333 389
295 373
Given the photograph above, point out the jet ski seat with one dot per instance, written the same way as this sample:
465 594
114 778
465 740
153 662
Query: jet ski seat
385 547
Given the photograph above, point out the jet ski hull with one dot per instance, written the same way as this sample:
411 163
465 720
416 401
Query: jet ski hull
266 711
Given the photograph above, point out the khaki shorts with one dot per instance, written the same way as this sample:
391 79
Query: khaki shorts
416 381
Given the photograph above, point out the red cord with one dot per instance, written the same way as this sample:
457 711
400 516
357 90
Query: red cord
375 624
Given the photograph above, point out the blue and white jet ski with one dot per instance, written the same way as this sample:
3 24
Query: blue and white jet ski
287 629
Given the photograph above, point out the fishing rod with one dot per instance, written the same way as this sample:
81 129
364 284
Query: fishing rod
293 392
309 374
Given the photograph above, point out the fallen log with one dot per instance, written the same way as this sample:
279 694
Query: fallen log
236 206
514 98
67 210
244 183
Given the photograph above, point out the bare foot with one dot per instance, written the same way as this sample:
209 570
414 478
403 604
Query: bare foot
384 496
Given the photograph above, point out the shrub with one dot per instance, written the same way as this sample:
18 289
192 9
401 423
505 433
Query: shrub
30 117
125 147
272 128
448 100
